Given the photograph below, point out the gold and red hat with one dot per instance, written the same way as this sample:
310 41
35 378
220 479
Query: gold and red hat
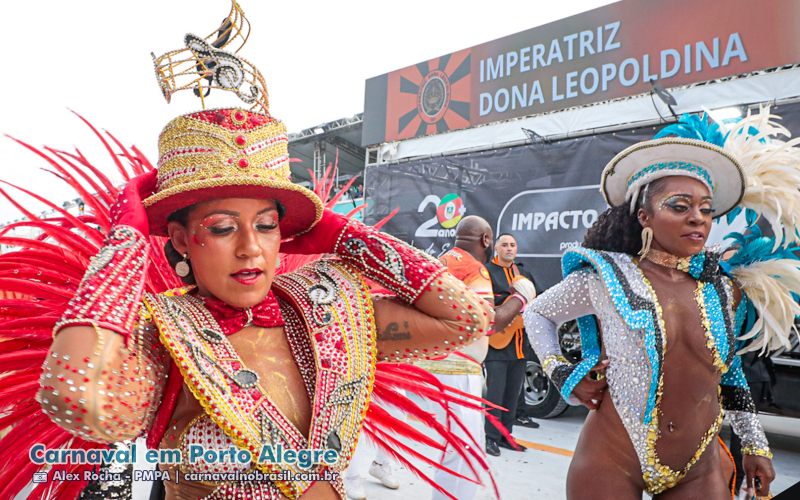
223 153
228 153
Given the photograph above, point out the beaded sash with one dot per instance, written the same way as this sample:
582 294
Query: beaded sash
330 330
636 306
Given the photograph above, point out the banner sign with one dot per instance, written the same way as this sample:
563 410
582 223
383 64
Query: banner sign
553 220
546 195
610 52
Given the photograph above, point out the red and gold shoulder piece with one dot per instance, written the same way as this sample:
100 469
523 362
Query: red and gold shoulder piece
332 297
331 313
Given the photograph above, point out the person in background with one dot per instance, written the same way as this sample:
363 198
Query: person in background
372 459
462 368
505 360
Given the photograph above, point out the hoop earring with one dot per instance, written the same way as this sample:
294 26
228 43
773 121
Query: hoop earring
182 268
647 240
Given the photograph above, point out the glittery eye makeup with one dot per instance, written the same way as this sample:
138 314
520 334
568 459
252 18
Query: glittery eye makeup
682 202
676 202
265 222
213 225
225 224
220 224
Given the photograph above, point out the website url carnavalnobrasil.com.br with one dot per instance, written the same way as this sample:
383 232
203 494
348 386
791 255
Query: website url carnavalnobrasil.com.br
256 475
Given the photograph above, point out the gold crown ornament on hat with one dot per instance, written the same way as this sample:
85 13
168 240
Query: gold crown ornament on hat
224 153
203 65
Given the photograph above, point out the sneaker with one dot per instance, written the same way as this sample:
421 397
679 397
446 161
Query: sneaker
492 448
526 421
355 488
383 473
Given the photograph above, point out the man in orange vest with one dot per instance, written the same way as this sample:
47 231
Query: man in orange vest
506 358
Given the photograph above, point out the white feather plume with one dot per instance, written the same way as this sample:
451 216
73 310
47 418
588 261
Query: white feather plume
772 172
768 284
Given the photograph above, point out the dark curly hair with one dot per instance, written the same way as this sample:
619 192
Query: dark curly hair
617 230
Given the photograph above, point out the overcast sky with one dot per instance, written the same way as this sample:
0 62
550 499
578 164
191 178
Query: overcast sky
93 57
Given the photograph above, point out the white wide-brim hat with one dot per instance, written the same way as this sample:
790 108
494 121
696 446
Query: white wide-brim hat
647 161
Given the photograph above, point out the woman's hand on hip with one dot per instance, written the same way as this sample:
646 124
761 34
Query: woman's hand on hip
592 388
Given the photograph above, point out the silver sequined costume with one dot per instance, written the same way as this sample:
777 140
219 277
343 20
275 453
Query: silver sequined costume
611 288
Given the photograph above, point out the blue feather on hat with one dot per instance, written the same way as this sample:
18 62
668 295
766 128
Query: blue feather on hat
699 127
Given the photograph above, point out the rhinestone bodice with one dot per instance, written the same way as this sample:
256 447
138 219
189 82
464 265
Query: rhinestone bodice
609 290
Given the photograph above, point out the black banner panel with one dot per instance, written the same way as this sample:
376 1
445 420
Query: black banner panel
546 194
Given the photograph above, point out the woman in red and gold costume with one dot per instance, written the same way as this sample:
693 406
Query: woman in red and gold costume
256 358
244 356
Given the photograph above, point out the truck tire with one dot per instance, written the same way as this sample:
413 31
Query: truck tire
541 398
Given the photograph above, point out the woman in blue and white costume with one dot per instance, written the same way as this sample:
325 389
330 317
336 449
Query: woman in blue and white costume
660 315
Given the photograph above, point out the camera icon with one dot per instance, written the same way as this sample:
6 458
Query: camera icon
40 477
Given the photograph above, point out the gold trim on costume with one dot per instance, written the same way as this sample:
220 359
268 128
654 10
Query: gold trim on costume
448 366
344 357
711 342
659 477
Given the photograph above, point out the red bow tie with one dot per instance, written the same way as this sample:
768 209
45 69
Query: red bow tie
231 319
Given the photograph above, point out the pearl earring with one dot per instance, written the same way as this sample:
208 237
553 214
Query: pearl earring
182 268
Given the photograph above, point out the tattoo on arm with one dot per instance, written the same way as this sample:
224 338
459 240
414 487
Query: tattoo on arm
395 331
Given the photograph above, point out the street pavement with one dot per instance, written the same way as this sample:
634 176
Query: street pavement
540 472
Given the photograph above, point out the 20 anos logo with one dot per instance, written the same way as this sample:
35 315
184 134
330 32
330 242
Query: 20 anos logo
449 211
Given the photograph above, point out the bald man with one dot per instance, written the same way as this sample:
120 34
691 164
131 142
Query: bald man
462 369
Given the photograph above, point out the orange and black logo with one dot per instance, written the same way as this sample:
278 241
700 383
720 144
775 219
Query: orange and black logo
430 97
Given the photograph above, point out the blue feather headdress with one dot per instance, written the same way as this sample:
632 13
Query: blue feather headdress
695 127
765 267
